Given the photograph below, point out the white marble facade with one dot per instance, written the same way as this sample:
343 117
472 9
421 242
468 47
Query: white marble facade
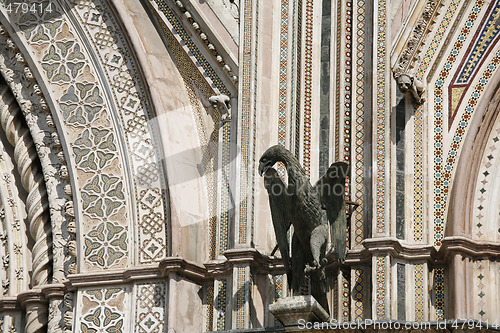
130 203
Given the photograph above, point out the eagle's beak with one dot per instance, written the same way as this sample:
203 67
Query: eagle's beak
263 167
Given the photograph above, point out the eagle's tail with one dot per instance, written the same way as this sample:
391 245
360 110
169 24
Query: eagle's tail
318 287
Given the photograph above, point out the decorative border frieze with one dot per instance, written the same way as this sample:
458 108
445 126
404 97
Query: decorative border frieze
191 18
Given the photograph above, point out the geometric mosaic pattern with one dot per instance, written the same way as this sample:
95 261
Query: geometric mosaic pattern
485 226
150 307
103 310
241 290
443 166
358 158
419 292
380 270
483 42
84 109
221 305
380 116
247 136
306 163
358 295
439 283
128 100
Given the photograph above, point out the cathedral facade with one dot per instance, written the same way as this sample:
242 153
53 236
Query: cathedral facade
131 132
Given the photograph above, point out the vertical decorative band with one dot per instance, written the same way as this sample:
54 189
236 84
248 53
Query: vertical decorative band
209 307
381 114
297 62
439 290
419 292
241 291
278 291
346 298
418 196
246 110
443 165
358 294
150 307
221 305
359 132
324 91
380 271
348 83
335 302
283 73
337 80
308 85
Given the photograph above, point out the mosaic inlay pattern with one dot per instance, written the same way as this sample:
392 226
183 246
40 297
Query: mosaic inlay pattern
83 108
481 288
418 225
283 74
346 298
358 190
150 307
419 292
209 307
439 280
358 295
437 39
481 45
483 225
247 114
103 310
443 166
242 280
129 99
380 116
380 271
308 85
278 293
348 84
221 305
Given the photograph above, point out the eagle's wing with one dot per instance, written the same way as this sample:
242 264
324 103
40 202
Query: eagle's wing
330 189
279 202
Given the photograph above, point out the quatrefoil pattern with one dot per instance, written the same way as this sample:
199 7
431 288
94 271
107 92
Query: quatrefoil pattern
106 244
94 149
90 133
103 310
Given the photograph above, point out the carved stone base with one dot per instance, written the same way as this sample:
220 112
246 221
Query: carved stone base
298 310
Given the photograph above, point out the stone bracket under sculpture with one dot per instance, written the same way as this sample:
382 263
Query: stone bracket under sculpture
409 85
317 213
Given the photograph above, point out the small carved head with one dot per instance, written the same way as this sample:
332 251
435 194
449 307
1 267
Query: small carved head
405 82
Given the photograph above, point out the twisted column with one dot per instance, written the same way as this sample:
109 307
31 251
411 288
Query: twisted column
25 156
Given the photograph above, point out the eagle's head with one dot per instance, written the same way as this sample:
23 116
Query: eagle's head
271 156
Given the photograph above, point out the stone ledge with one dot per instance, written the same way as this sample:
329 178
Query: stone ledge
291 311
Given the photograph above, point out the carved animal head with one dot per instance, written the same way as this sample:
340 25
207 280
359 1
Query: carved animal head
271 156
405 82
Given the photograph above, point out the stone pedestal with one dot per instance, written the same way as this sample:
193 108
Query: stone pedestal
298 310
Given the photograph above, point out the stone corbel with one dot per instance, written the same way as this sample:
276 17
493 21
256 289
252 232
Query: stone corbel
410 86
223 104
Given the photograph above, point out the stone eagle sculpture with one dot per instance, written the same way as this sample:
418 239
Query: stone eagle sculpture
314 211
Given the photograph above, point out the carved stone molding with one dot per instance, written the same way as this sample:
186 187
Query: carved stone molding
399 249
410 54
204 38
227 66
47 182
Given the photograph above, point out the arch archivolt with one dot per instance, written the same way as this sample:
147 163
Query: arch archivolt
101 112
76 83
